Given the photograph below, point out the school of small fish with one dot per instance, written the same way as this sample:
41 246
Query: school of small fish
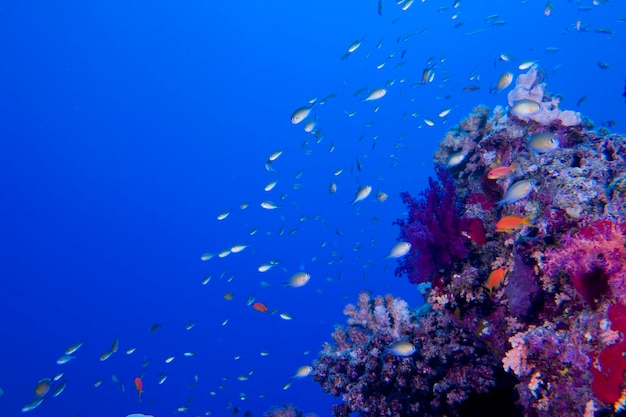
350 191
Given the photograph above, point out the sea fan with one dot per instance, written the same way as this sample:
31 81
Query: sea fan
434 228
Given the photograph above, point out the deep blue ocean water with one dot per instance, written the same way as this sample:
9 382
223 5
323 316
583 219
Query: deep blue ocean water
126 128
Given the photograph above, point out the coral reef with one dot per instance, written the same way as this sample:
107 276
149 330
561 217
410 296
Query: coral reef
529 86
448 368
551 334
287 410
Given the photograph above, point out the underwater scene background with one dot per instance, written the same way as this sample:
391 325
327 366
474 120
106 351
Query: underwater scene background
157 156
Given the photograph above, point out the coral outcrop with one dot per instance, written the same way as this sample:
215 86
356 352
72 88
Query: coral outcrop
287 410
530 86
449 370
553 328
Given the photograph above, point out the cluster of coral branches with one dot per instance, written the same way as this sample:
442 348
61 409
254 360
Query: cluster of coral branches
547 332
287 410
450 367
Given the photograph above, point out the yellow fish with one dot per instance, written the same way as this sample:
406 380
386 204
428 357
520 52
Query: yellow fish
543 142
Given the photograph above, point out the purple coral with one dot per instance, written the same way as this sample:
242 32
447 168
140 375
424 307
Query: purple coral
434 229
451 373
287 410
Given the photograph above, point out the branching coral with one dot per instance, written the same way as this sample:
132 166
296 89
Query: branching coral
464 137
538 356
451 371
287 410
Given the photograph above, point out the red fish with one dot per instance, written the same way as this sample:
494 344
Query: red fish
495 278
260 307
500 172
509 224
139 387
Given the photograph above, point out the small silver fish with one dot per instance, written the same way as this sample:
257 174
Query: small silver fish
525 107
73 348
354 46
399 250
65 359
517 191
275 155
525 65
32 405
456 158
303 371
402 348
376 94
269 205
58 389
299 279
362 194
300 114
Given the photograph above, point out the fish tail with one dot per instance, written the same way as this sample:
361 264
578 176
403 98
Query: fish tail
526 221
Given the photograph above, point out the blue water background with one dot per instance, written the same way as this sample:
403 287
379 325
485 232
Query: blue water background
127 127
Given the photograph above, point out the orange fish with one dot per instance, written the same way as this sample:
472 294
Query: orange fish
139 387
228 296
260 307
42 388
509 224
495 278
501 172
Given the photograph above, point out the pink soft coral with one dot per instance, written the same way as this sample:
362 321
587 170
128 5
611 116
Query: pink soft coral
594 259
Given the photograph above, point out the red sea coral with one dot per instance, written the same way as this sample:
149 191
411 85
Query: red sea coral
609 367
